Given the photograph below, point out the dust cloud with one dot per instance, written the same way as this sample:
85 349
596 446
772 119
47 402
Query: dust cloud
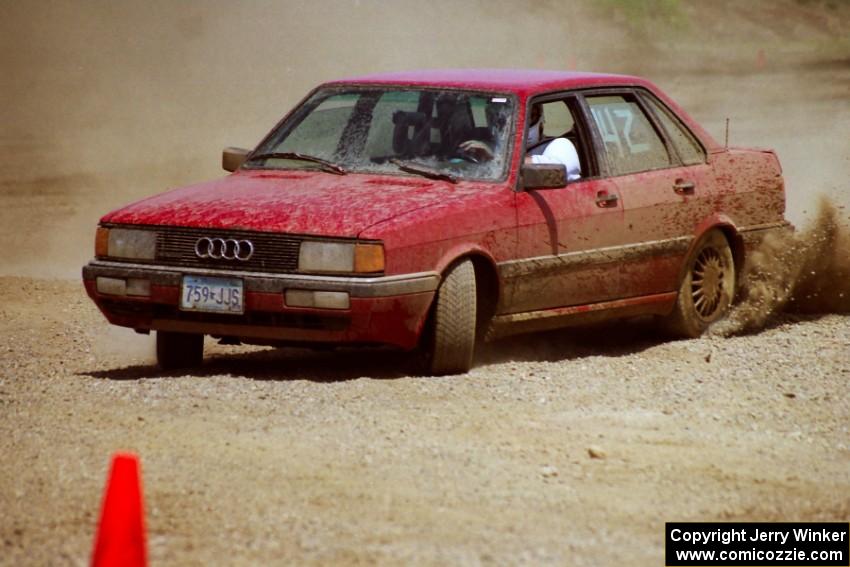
805 271
106 103
126 344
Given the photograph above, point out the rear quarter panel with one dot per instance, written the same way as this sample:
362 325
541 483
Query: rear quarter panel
749 187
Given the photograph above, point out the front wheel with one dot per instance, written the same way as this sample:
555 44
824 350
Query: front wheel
453 331
179 350
707 288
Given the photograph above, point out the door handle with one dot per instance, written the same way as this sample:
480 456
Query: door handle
606 200
683 187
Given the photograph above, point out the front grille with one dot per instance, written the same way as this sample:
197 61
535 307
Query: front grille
175 246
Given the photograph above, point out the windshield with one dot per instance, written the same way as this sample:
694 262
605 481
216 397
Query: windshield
449 134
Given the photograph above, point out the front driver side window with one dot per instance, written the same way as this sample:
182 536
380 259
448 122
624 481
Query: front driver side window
631 142
559 119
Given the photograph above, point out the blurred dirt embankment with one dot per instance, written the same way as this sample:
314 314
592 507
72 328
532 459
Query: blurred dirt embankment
110 102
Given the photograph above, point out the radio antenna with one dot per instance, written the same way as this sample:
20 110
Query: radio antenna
727 132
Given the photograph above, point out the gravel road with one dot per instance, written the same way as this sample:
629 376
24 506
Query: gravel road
288 456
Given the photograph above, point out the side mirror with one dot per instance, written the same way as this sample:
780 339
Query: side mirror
232 158
543 176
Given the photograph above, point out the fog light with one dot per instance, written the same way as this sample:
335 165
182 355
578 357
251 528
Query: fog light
111 286
136 286
317 299
331 299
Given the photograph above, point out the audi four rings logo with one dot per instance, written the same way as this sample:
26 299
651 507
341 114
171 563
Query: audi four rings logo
224 249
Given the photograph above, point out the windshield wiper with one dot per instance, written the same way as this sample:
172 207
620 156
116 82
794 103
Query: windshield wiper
328 166
423 170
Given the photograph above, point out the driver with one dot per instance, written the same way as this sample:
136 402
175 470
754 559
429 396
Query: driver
554 151
557 151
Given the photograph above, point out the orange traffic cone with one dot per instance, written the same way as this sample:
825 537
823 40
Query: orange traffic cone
121 532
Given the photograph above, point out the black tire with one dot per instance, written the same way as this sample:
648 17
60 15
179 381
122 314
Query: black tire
707 288
453 331
179 350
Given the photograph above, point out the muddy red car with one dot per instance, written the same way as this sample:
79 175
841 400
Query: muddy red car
404 209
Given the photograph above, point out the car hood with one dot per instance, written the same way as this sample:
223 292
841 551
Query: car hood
299 202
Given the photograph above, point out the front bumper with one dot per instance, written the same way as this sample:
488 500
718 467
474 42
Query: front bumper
387 310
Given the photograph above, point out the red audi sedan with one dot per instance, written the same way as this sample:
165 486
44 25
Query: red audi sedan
437 209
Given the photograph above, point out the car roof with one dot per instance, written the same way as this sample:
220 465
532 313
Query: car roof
523 83
519 81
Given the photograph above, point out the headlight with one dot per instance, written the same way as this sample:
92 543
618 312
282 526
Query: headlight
125 243
340 257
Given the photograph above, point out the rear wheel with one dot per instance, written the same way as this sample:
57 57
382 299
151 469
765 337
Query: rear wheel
707 289
179 350
453 338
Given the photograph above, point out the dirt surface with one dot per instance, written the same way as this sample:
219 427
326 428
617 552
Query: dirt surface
347 458
301 458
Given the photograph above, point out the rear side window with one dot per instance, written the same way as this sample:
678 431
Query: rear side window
686 145
631 143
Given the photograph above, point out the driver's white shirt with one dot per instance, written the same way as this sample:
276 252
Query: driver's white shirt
559 150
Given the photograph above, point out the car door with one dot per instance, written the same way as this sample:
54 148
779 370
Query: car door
562 233
655 187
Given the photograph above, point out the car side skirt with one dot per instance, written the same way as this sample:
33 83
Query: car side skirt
590 276
548 319
612 254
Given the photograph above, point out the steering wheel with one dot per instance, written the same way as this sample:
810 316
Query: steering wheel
465 155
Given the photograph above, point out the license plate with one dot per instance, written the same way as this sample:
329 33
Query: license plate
216 295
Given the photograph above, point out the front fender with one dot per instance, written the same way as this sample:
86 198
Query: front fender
460 250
